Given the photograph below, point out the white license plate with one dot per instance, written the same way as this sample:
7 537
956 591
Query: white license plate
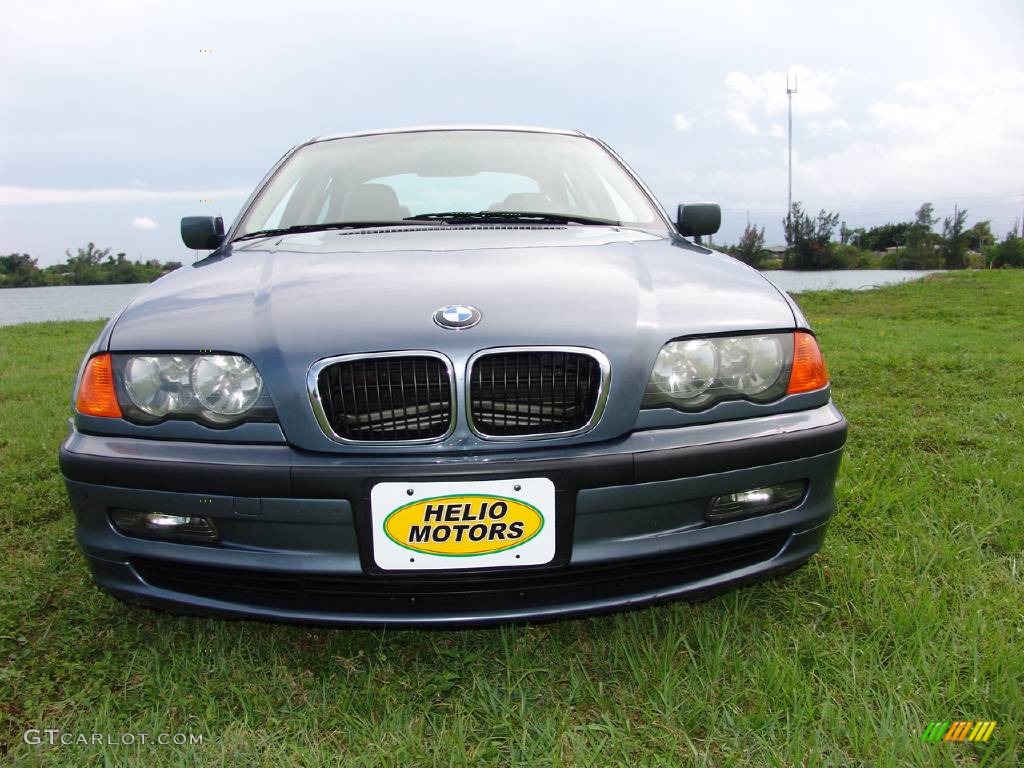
463 524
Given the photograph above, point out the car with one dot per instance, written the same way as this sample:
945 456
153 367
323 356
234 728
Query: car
446 376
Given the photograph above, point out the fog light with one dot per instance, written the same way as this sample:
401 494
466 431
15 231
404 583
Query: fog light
756 501
157 525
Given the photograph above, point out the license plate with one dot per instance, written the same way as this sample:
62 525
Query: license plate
473 524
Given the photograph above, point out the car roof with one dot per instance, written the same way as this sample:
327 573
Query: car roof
426 128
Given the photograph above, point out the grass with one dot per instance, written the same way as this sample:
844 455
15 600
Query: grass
911 613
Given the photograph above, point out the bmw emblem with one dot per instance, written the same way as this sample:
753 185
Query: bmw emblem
456 317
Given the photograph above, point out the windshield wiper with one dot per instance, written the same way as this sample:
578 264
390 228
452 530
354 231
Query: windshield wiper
452 217
321 228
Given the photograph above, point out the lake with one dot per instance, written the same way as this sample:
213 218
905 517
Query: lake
64 302
792 281
90 302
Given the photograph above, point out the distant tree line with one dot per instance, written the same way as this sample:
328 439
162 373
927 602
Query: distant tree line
811 243
89 266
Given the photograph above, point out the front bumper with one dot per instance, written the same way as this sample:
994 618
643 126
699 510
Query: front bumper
295 538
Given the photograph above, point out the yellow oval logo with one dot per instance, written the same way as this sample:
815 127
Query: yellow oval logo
462 525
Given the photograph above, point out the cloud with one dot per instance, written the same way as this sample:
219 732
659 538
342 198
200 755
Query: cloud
959 85
38 196
985 110
950 137
681 122
753 97
144 222
815 128
931 118
957 118
742 119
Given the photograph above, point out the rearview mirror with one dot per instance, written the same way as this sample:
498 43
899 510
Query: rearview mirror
202 233
696 219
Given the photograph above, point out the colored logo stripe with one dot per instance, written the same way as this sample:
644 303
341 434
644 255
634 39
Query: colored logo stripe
956 731
961 730
982 731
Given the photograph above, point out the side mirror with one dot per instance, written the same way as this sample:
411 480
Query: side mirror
696 219
202 233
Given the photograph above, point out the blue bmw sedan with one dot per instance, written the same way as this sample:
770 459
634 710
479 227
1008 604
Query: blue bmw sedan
444 376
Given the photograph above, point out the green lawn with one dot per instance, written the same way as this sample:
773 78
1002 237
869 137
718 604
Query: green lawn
911 613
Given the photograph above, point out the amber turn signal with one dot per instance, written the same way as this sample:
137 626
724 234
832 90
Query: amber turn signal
96 395
809 369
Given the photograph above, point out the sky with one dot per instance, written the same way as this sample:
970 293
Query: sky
119 118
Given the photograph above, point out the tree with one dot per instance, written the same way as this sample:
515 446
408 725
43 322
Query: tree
84 266
1009 253
885 236
750 249
89 266
954 240
18 270
925 216
809 240
855 236
980 236
921 247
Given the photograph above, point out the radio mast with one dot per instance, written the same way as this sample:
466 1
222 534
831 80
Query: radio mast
789 197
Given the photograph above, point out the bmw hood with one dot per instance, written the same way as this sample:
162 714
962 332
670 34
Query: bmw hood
330 293
286 302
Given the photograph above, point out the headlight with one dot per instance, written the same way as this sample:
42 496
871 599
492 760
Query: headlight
227 385
685 369
694 374
220 390
158 385
751 364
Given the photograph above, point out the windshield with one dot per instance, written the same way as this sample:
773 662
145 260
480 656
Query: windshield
389 178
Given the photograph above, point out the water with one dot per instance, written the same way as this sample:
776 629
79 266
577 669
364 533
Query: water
90 302
792 281
64 302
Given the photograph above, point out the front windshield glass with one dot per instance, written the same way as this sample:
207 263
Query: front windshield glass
392 177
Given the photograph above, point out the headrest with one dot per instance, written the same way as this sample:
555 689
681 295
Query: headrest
372 202
527 202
